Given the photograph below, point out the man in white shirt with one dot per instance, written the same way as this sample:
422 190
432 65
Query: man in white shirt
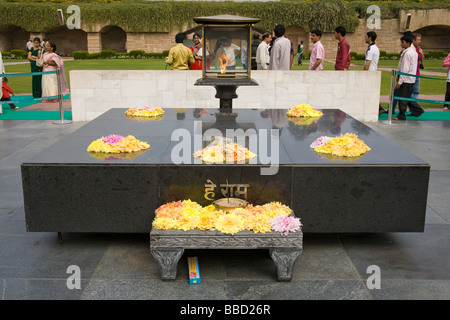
372 52
231 50
280 54
262 53
372 57
405 83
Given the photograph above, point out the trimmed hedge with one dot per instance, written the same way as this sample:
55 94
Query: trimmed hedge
436 55
15 54
111 54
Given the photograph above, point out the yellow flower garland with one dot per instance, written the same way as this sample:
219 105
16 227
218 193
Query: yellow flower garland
145 112
230 223
347 145
304 110
187 215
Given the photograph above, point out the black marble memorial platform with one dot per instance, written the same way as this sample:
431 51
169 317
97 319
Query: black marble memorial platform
66 189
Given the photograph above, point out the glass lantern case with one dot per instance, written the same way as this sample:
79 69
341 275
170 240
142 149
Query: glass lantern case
226 54
226 48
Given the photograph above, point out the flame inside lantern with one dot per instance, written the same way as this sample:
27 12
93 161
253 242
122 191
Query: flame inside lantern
223 62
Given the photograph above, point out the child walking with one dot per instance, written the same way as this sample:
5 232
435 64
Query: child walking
6 91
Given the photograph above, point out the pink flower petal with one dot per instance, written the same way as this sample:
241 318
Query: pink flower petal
111 139
319 142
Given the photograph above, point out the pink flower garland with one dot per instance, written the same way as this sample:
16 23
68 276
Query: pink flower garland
146 108
320 142
111 139
286 224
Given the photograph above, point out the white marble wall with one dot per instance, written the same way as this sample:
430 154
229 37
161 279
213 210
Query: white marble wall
96 91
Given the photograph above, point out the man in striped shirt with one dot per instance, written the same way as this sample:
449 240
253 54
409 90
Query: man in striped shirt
405 83
318 53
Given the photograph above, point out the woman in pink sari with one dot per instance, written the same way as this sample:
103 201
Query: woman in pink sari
52 61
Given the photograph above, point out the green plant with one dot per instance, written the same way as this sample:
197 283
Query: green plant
154 55
22 54
136 53
80 55
436 55
108 54
95 55
306 55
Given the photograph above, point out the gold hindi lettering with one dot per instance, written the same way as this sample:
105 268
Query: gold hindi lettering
227 190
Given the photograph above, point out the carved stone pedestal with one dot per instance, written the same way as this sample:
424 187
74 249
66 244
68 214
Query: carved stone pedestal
167 246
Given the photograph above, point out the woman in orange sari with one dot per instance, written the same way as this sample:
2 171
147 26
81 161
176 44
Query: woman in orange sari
196 52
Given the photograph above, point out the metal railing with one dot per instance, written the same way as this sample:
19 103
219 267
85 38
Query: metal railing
59 96
393 97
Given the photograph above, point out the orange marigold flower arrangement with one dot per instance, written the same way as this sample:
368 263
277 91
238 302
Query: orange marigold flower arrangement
188 215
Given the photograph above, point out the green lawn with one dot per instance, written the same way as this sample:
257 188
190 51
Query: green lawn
430 65
23 84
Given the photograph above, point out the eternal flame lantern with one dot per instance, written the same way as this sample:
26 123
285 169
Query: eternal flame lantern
226 55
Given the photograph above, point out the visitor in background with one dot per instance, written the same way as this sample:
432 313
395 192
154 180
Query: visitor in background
280 54
52 62
446 63
318 52
272 41
405 84
291 58
417 39
6 91
262 52
255 44
343 50
231 50
28 45
180 57
372 57
300 53
244 55
196 52
2 69
34 54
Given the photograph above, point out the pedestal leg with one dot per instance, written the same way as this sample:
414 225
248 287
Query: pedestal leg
285 260
226 94
168 261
